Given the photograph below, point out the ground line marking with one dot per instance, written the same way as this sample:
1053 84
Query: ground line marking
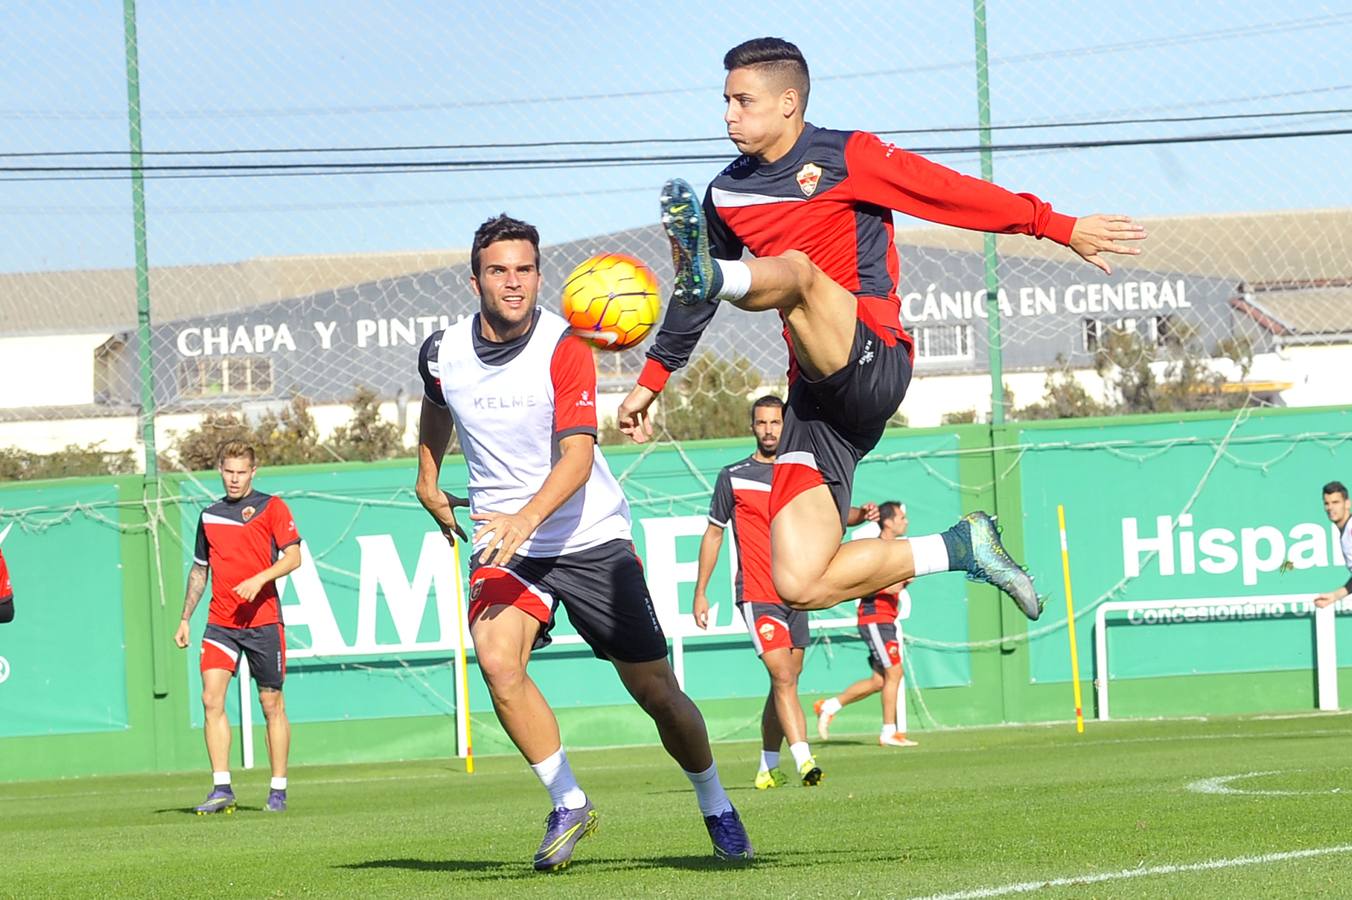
1024 887
1221 785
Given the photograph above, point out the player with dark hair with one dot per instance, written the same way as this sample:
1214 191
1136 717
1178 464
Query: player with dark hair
814 207
1339 511
741 501
553 528
246 540
878 616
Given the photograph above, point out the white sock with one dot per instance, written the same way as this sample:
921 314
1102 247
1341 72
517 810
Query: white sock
713 800
769 760
930 554
801 753
220 779
557 777
736 279
889 730
831 706
279 783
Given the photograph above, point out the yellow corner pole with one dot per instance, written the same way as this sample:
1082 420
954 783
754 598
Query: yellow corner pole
1070 620
461 667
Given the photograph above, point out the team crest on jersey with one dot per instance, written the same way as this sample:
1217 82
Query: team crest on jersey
808 178
247 513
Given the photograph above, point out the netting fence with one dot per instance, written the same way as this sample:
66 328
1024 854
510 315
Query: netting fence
313 175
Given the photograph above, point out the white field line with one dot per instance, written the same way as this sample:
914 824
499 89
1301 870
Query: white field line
1221 785
1025 887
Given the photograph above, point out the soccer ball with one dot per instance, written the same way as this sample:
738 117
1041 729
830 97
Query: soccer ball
611 301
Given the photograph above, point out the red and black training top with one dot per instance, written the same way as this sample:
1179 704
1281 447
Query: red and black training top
832 197
238 539
6 589
880 609
741 499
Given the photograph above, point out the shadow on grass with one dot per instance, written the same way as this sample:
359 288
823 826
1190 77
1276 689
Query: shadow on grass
192 811
704 862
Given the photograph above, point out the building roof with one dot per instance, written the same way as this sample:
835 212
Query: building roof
1308 311
1266 247
99 300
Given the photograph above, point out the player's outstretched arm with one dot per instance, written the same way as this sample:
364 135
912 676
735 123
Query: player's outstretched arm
1098 234
434 436
1328 598
632 418
197 584
506 532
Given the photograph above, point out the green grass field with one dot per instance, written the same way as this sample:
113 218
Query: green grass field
983 812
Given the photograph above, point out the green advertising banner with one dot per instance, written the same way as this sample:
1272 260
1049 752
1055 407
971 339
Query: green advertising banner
371 628
62 659
1219 508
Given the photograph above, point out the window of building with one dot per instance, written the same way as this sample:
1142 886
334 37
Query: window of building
943 342
1152 329
225 375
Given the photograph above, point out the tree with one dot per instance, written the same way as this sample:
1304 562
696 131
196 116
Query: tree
712 399
368 436
1065 398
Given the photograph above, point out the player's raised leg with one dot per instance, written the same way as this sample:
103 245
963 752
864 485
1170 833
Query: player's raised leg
503 636
820 314
683 733
821 572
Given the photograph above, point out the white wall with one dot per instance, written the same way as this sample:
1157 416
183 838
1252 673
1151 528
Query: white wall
48 370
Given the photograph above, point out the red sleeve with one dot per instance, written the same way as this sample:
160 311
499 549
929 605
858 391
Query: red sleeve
6 590
884 175
654 375
283 524
573 373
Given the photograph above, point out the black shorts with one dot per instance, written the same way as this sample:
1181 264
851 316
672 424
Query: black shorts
884 650
602 588
830 424
264 647
774 626
7 610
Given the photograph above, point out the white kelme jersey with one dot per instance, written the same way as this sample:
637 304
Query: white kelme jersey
510 419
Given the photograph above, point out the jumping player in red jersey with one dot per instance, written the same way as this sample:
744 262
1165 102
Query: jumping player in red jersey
553 529
878 616
814 208
239 539
741 501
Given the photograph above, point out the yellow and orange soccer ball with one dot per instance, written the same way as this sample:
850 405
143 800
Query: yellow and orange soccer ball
611 301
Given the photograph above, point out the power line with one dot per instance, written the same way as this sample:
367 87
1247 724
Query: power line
618 142
1240 31
257 170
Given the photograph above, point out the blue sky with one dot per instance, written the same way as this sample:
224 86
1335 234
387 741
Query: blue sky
245 75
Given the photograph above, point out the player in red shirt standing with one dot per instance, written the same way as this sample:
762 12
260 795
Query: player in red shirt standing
741 500
6 593
878 616
239 538
814 207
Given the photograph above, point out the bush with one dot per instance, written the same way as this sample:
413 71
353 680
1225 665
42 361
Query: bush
291 437
75 460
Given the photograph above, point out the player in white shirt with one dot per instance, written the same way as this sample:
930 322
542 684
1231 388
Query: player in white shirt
553 528
1339 511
